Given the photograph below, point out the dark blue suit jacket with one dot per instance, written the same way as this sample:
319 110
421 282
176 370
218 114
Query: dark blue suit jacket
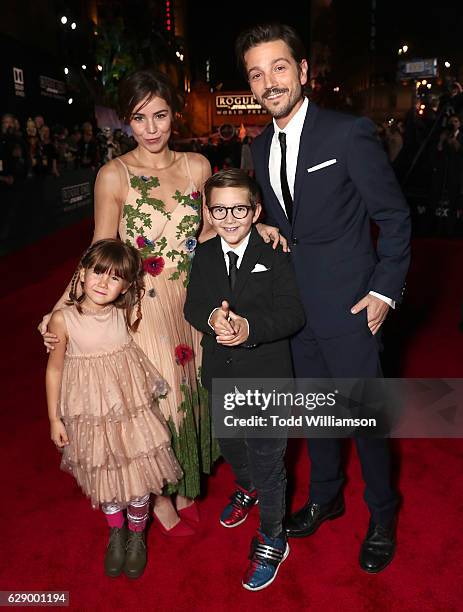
334 256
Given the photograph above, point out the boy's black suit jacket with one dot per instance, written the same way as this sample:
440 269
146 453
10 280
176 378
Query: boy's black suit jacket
269 300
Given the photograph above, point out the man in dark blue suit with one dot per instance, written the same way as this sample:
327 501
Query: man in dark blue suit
324 177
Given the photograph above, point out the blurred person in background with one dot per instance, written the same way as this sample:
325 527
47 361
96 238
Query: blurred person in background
88 148
48 153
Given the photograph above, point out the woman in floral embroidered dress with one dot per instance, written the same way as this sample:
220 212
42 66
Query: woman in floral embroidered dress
151 197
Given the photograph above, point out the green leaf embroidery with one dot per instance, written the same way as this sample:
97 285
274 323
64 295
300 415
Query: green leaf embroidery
137 221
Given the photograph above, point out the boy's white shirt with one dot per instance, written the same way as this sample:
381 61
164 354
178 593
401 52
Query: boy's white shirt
239 250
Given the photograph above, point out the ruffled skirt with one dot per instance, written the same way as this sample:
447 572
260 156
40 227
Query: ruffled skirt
119 446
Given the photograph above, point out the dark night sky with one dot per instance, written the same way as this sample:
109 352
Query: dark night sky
213 27
430 30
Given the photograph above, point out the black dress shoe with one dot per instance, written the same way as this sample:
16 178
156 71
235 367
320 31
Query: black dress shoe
308 519
378 548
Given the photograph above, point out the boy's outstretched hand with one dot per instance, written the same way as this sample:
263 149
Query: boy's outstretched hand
220 320
230 328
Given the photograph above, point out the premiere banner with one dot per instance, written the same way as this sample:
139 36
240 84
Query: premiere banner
337 408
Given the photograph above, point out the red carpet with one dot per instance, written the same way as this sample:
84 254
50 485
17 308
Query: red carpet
52 540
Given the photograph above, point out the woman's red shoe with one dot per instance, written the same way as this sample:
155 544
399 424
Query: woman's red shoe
190 513
180 529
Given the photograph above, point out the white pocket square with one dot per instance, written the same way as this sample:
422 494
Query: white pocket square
259 268
329 162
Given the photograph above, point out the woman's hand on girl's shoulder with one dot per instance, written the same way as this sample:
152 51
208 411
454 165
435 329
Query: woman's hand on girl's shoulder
49 339
56 331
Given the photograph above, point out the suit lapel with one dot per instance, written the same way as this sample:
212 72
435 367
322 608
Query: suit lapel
250 258
303 155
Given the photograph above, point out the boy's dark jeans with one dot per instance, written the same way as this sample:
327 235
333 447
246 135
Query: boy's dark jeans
258 463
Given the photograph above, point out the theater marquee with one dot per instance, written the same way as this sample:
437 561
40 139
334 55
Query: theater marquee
238 105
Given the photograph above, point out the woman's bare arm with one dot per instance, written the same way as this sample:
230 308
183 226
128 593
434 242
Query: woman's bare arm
109 195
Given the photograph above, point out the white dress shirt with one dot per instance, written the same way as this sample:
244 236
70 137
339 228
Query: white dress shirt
293 131
239 250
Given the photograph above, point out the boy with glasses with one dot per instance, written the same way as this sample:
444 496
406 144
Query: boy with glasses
242 295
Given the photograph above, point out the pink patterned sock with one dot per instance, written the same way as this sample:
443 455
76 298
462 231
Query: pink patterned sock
137 513
114 515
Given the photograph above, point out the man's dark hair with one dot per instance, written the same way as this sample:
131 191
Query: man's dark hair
233 177
268 32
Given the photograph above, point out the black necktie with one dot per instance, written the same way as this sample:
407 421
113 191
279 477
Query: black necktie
232 270
287 199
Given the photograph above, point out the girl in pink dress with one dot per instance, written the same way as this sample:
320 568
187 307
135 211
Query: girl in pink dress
102 394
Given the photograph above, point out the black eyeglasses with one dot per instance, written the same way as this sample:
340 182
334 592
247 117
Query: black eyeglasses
240 211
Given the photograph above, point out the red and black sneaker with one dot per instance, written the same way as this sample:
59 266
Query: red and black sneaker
236 512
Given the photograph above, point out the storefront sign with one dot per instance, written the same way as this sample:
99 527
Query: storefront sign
52 88
18 78
417 69
76 196
238 105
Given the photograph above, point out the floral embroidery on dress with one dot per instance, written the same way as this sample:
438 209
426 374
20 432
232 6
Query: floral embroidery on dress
183 354
155 253
154 265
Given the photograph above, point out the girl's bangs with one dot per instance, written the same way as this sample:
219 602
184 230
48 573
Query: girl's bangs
110 262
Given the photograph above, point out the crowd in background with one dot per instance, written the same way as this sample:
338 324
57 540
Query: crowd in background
425 148
35 149
426 152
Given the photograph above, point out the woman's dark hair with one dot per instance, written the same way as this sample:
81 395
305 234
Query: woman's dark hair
268 32
123 260
233 177
145 84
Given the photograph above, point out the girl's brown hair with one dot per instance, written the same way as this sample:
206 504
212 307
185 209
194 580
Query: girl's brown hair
122 260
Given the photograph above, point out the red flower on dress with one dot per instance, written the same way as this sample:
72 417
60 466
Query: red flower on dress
153 265
140 242
195 195
183 354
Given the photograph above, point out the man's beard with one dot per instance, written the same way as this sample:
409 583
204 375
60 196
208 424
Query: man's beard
280 111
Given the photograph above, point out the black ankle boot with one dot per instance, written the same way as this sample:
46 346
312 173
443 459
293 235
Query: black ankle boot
135 557
115 553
